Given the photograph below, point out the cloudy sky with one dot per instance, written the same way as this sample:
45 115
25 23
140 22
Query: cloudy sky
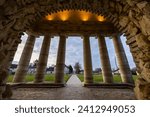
74 51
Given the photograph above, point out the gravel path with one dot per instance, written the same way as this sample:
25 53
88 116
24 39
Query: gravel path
73 91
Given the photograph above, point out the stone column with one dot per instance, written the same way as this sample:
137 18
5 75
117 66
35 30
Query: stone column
88 77
24 60
60 63
41 68
105 62
123 64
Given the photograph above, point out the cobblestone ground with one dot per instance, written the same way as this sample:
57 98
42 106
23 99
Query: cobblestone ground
73 91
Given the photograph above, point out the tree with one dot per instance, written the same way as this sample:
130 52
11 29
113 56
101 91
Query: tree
77 67
98 70
70 69
134 71
35 63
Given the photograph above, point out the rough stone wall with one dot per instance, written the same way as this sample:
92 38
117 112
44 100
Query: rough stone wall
131 17
137 31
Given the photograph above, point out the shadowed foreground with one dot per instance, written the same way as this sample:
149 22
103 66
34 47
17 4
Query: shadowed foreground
73 91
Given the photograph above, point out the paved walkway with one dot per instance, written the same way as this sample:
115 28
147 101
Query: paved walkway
73 91
74 81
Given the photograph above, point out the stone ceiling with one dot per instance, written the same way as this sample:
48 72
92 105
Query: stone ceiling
73 23
74 16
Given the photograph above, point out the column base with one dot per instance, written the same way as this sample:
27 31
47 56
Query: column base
59 78
18 79
5 91
88 80
127 78
130 82
142 89
2 89
38 81
39 78
108 82
59 81
87 84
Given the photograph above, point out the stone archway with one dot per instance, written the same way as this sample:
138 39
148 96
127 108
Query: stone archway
130 17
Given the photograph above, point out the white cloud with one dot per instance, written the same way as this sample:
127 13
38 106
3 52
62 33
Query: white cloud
53 51
20 48
74 51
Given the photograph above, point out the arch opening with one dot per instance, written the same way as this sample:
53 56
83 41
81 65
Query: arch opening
135 27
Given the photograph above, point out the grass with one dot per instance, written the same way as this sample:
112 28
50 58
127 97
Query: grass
30 77
99 78
51 77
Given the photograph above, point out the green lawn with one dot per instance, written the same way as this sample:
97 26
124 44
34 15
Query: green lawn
99 78
51 77
30 78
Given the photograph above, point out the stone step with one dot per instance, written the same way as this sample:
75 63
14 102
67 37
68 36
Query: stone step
112 85
36 85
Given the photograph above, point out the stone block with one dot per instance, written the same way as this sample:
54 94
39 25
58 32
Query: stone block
142 89
145 25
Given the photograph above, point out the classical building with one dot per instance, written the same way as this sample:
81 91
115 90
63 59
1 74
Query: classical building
85 18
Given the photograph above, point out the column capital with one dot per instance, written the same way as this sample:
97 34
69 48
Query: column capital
63 35
100 36
85 36
48 35
32 34
116 36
